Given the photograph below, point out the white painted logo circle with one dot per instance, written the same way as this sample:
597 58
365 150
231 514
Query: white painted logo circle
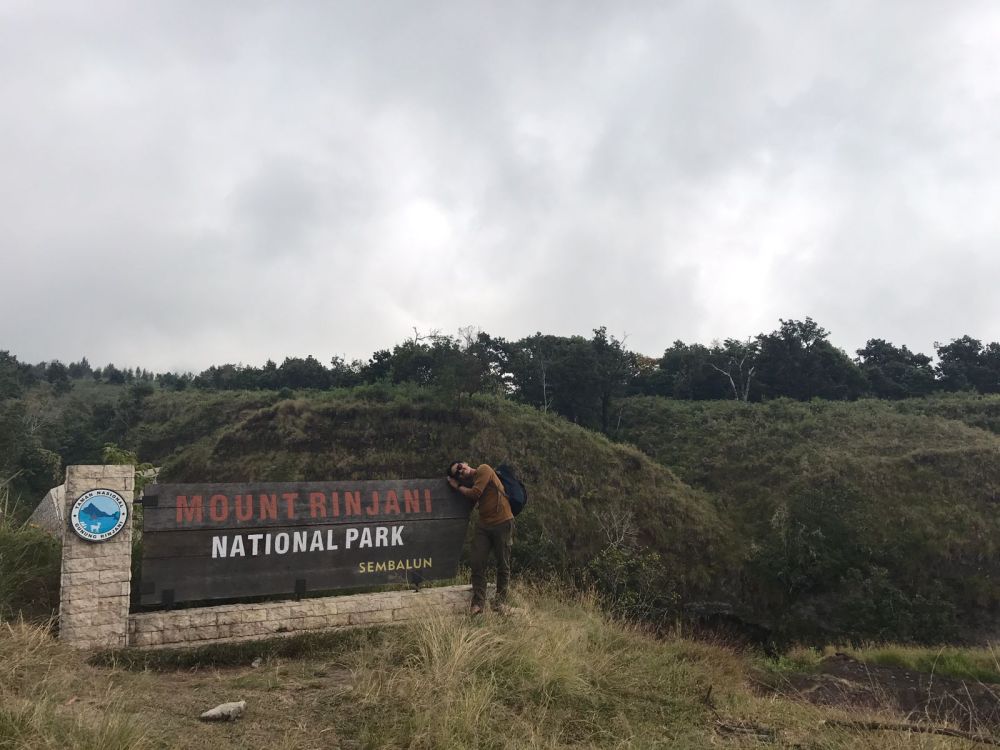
98 515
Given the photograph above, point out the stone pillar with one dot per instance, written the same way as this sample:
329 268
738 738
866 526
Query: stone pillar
94 591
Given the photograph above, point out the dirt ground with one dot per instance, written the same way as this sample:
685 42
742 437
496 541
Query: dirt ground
291 705
917 696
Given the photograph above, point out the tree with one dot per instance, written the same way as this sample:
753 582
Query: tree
24 458
431 359
113 375
895 372
573 376
344 374
990 359
227 377
531 364
128 409
451 365
80 370
575 382
615 367
557 373
172 381
643 381
57 374
684 373
379 367
14 376
737 361
797 361
964 364
492 357
303 373
267 378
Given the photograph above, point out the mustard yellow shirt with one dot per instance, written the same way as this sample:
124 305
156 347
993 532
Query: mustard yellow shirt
487 491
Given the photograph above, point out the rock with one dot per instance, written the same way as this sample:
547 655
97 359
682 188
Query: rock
225 712
256 662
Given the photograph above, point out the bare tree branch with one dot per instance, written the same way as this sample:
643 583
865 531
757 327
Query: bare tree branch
736 393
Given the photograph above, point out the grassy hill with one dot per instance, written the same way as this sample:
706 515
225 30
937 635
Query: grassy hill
865 520
596 508
969 408
816 522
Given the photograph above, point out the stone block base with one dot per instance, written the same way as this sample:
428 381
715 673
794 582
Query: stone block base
244 622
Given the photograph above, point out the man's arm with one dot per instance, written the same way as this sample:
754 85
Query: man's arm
476 490
469 492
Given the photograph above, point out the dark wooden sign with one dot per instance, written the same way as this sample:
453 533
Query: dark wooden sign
224 541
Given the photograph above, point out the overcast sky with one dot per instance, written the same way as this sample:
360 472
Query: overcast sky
192 183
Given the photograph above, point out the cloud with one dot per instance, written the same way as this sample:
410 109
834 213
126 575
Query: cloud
187 184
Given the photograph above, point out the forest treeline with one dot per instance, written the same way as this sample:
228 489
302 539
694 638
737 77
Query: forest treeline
580 378
585 380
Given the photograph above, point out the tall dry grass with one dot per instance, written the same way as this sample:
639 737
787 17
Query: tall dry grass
554 674
980 664
50 698
560 674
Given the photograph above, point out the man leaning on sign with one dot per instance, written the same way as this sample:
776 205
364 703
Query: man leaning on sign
494 530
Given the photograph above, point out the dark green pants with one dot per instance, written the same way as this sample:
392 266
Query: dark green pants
497 539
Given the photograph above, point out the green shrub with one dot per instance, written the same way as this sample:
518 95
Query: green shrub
856 521
29 573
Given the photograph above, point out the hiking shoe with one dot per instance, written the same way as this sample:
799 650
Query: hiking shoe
476 610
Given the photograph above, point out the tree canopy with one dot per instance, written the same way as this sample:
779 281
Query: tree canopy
581 378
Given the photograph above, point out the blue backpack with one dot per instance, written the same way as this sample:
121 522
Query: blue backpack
514 489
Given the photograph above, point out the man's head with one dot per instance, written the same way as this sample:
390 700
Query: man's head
461 471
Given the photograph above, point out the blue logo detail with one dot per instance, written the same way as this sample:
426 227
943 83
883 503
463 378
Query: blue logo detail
98 515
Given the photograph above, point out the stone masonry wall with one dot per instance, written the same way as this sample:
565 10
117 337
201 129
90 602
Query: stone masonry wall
240 622
48 516
94 587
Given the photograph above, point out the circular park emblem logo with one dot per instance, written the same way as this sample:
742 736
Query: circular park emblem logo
98 515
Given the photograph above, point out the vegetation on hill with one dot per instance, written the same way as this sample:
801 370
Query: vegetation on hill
578 377
29 567
861 521
971 409
599 513
811 521
818 522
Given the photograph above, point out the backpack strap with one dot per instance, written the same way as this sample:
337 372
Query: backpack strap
503 491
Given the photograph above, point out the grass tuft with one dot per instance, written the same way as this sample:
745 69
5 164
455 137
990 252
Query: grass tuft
556 674
48 699
978 664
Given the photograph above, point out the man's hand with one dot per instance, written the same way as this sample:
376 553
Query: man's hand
453 483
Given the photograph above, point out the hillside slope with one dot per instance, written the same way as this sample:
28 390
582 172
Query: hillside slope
968 408
866 520
597 510
816 521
